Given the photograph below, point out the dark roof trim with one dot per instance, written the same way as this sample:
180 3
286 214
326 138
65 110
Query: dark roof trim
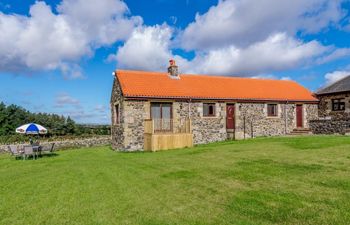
332 93
217 99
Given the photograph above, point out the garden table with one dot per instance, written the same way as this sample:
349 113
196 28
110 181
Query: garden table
37 149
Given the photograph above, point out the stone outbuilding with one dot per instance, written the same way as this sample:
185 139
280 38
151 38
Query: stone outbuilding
154 110
334 108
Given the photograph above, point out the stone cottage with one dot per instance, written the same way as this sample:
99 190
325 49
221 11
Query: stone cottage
155 110
334 108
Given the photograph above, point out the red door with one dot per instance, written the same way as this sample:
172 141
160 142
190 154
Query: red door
299 115
230 116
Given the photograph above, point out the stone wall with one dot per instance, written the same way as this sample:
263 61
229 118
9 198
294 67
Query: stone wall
134 116
204 129
128 134
325 106
330 126
311 113
71 144
117 129
252 119
208 129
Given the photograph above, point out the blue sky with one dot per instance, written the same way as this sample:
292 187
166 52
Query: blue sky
58 56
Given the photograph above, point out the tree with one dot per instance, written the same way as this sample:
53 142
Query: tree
13 116
2 118
70 126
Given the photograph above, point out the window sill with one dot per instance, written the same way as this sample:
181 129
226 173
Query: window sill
273 117
210 117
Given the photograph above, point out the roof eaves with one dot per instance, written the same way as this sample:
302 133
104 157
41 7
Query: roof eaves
213 98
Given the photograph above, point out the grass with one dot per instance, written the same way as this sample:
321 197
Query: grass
295 180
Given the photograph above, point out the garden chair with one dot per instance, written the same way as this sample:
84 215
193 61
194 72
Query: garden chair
52 147
28 151
15 152
49 148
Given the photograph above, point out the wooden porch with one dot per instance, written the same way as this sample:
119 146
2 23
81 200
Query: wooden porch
163 134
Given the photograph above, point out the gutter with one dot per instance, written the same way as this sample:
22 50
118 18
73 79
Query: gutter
316 101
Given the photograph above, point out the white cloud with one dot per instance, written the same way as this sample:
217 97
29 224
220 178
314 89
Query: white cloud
65 100
286 78
243 37
101 108
103 22
278 52
149 48
265 76
270 76
48 41
335 76
247 21
334 54
87 116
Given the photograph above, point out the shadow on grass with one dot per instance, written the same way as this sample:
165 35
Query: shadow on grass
265 206
335 183
253 170
180 174
42 156
316 142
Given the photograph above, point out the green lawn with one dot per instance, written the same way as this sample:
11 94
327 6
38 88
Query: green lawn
296 180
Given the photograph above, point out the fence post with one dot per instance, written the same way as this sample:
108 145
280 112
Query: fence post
251 129
244 126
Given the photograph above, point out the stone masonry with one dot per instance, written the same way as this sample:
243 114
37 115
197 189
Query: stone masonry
69 144
204 129
325 106
328 126
117 130
250 118
331 122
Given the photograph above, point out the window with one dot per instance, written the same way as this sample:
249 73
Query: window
338 104
161 114
208 109
161 111
272 110
116 114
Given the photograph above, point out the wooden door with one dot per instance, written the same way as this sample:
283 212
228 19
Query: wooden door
299 113
230 116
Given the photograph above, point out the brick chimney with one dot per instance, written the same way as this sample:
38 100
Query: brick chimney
173 70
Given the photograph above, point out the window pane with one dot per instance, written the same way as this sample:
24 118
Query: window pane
211 110
205 110
208 109
166 111
342 106
272 110
155 111
116 115
338 104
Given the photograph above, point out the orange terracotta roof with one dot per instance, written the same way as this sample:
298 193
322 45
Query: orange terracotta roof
160 85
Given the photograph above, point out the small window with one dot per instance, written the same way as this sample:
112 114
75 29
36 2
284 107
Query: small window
209 109
116 114
338 104
272 110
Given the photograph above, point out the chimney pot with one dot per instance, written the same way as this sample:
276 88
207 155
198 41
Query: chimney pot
173 69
